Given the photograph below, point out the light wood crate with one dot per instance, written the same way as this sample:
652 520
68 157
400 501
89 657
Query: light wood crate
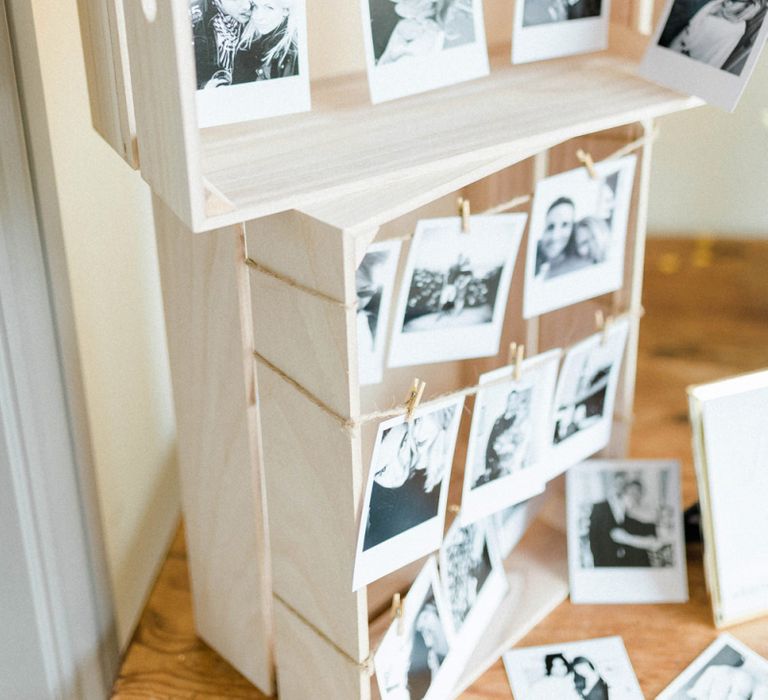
271 482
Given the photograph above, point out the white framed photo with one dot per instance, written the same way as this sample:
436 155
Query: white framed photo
403 514
251 59
598 669
625 532
507 527
585 397
707 48
731 456
725 669
412 46
509 437
577 236
551 28
374 283
410 661
454 290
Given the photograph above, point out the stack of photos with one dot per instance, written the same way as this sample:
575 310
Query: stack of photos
551 28
403 514
625 533
725 669
455 287
577 236
474 584
595 669
707 48
585 397
374 281
508 526
410 661
509 439
731 455
251 59
413 46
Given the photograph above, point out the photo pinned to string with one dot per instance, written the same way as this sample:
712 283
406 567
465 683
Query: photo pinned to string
510 438
455 288
577 235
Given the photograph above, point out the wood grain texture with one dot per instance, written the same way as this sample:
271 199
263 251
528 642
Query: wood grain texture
222 492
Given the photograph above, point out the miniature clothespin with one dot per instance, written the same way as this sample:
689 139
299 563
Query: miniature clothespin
586 160
398 612
603 324
414 398
464 212
516 357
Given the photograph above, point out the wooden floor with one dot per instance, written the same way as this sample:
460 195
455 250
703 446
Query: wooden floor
707 317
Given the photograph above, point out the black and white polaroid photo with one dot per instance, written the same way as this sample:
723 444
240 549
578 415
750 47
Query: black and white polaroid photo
507 527
413 46
707 48
625 532
577 236
593 669
410 661
585 397
455 288
251 59
551 28
726 669
374 282
509 438
403 514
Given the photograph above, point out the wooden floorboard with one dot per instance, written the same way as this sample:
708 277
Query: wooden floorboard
707 318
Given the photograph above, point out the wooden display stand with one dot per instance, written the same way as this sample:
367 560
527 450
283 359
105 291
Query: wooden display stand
273 480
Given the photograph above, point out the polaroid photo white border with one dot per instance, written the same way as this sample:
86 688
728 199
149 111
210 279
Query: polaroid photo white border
466 635
371 364
507 532
412 75
465 341
577 447
618 673
260 99
389 652
688 75
422 539
542 295
618 584
757 665
539 375
556 39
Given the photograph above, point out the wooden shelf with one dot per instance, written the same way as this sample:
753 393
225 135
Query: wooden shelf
420 146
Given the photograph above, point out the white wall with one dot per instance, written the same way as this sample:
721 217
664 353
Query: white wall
107 223
710 172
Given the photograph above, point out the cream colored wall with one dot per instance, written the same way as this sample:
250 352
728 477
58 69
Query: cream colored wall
710 171
109 237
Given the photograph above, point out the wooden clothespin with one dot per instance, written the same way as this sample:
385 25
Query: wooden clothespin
454 508
516 357
464 212
586 160
414 398
603 324
398 612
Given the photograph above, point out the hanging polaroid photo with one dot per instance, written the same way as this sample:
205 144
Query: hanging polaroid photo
707 49
577 236
598 669
730 442
625 532
251 59
412 46
725 669
454 290
410 660
585 397
551 28
474 583
508 526
374 281
510 437
403 513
